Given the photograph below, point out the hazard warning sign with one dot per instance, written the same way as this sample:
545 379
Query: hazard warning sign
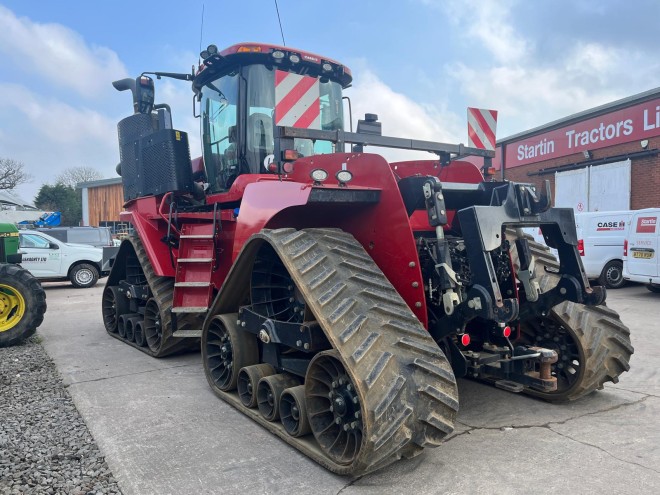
297 101
482 125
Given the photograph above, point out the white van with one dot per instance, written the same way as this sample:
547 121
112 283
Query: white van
641 263
601 235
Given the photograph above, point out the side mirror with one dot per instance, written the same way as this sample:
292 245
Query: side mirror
143 91
52 245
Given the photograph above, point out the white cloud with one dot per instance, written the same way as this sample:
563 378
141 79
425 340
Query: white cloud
402 117
49 136
59 54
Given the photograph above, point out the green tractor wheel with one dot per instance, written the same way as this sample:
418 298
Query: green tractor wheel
22 304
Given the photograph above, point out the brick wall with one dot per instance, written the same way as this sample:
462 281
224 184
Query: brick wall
645 172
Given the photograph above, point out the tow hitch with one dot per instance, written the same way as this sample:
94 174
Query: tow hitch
513 369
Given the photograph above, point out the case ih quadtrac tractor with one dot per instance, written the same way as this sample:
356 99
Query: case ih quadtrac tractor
338 296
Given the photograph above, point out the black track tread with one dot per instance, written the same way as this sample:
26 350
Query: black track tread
604 339
35 301
162 290
389 367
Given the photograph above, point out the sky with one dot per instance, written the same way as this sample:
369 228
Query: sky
416 63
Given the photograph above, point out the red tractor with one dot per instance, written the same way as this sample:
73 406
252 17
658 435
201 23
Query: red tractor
338 296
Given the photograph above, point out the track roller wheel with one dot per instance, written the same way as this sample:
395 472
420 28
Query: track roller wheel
293 412
153 330
225 350
138 328
333 408
130 327
269 391
113 305
121 326
248 379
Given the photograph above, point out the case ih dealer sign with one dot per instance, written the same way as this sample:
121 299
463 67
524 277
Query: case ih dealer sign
637 122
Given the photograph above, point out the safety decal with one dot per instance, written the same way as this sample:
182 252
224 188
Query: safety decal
482 126
297 101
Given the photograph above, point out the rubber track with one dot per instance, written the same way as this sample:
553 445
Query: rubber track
162 290
407 389
603 338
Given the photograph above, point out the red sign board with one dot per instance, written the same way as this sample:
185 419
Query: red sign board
646 225
629 124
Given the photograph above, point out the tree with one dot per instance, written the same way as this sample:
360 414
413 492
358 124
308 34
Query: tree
12 174
61 198
73 175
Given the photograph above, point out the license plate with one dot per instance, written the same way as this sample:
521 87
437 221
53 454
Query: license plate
647 255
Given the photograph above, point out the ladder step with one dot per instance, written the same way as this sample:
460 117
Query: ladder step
187 333
195 260
190 309
192 284
196 236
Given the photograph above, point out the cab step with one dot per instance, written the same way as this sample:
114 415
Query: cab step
190 309
195 260
192 284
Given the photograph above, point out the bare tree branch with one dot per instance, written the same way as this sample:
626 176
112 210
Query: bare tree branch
72 176
12 174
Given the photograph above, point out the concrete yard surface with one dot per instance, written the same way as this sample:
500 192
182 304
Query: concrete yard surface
163 431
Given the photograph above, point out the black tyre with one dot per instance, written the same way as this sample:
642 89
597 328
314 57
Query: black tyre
592 343
612 275
22 304
653 288
83 276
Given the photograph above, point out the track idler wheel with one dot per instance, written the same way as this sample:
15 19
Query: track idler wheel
293 412
226 350
113 305
269 391
333 408
138 328
248 379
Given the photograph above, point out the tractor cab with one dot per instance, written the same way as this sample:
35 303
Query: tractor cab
248 90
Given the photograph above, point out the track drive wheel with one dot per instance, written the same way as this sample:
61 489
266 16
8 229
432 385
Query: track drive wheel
333 408
22 304
226 350
592 343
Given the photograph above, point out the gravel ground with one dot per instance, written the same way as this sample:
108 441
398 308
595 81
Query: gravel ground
45 446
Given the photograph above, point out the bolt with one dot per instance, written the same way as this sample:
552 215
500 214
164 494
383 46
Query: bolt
354 425
526 210
263 336
349 387
242 323
298 343
415 284
357 414
332 409
306 346
341 381
442 212
347 427
418 304
355 400
411 264
439 195
238 322
334 384
562 291
338 421
291 299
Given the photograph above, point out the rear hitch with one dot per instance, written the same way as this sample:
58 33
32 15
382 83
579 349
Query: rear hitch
514 369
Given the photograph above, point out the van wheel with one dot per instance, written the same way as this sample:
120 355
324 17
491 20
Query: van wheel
612 275
83 276
653 288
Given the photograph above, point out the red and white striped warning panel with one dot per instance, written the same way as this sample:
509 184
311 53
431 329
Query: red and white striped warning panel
297 102
482 125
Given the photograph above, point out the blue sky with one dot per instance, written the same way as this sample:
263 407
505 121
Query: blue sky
417 63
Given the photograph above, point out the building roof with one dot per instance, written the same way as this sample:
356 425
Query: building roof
99 183
9 199
577 117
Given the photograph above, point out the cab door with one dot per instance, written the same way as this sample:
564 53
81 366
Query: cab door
643 245
41 256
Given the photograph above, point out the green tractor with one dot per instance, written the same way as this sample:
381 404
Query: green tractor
22 299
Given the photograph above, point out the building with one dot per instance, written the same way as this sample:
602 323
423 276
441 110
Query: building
601 159
102 201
